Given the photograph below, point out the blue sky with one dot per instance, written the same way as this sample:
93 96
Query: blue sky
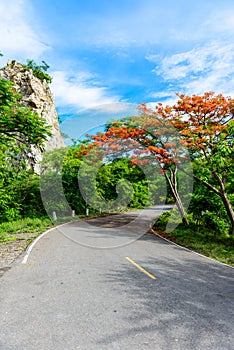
106 57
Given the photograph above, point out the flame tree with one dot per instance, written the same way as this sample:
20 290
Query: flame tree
149 140
205 126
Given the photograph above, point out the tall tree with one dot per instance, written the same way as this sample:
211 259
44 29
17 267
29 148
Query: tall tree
206 125
148 139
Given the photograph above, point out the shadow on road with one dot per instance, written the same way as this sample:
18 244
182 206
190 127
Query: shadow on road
188 306
121 219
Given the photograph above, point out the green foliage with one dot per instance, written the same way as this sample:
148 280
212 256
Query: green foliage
20 128
199 238
39 71
19 123
9 230
50 181
70 171
206 207
136 189
20 196
207 210
118 183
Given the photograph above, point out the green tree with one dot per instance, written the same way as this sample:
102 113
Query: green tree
20 128
83 181
141 189
150 140
206 127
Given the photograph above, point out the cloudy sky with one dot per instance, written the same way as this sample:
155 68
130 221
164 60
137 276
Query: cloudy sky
112 55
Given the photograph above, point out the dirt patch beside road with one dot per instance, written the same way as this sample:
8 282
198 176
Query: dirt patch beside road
9 251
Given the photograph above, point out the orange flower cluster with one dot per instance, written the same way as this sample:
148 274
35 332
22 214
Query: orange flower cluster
199 120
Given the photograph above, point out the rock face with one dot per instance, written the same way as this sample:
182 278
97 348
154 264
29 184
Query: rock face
37 95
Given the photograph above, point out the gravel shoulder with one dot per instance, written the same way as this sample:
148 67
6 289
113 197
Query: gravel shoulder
9 251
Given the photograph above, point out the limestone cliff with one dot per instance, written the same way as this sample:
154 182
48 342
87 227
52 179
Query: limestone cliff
37 95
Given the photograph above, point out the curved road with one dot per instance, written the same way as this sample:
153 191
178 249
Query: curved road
103 285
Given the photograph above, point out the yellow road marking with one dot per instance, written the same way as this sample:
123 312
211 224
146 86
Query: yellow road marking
141 268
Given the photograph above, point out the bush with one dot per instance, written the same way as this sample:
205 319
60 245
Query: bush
39 71
8 230
198 238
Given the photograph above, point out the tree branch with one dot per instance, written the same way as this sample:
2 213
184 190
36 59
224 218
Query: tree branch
207 184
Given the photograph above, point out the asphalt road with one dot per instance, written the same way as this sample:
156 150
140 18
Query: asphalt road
103 286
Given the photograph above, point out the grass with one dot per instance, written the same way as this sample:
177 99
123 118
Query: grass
10 230
200 239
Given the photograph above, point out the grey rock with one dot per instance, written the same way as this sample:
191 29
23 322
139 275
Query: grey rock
37 95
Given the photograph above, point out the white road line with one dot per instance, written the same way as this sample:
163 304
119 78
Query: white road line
30 247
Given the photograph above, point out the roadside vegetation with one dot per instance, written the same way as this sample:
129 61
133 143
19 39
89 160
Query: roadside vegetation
198 237
11 231
145 151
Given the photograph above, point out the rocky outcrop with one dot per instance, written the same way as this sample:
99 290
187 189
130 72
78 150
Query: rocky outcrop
37 95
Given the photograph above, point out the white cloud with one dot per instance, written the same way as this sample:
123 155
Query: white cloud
74 90
207 68
165 97
94 119
121 108
162 94
169 100
18 38
221 21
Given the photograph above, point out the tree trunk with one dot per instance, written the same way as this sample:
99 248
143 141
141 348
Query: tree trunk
229 211
172 182
181 210
221 193
225 200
